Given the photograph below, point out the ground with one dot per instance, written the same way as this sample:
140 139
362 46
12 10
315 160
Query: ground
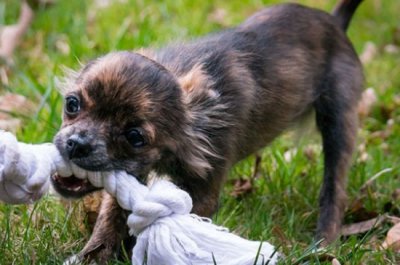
281 205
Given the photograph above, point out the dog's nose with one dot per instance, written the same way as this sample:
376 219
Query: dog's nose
78 147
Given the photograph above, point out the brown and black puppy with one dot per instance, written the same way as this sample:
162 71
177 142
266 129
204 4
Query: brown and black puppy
193 110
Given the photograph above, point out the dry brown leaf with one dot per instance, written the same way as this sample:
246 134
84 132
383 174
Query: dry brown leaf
62 45
11 35
356 204
369 52
103 4
396 100
242 187
391 49
393 238
368 99
10 125
310 152
357 210
4 75
363 153
379 134
218 16
13 104
362 227
393 219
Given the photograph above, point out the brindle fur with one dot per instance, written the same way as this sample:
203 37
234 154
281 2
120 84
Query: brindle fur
207 104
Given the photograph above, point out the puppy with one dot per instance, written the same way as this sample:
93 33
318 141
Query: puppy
193 110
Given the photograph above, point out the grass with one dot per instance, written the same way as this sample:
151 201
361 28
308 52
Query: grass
282 208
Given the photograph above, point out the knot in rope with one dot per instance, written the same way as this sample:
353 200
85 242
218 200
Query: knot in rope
147 204
163 199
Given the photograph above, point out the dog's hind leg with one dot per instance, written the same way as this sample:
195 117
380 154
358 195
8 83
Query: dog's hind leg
336 116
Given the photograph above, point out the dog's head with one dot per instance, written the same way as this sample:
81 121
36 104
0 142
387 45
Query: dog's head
123 111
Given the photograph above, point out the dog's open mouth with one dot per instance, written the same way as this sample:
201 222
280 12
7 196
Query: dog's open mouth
72 186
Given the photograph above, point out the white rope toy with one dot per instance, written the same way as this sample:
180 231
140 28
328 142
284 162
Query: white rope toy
24 176
167 234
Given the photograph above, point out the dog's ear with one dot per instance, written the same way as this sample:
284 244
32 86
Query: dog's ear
194 81
195 151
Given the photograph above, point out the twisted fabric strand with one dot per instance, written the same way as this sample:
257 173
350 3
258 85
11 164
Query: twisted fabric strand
167 234
24 175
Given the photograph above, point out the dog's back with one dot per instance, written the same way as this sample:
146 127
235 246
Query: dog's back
269 71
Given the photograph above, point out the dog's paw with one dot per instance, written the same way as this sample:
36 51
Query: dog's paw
77 260
73 260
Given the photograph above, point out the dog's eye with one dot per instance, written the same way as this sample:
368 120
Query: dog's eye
72 105
135 138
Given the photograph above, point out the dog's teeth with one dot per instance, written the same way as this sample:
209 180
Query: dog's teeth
96 179
106 174
79 172
63 168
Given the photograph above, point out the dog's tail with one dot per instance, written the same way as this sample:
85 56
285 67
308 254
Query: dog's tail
344 11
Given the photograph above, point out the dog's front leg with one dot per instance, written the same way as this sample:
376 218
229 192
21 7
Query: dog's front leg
110 231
